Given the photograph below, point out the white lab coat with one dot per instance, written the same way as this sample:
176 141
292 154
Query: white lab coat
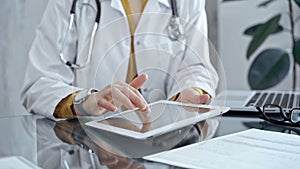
170 65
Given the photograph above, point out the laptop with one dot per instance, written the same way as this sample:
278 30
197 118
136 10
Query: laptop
248 100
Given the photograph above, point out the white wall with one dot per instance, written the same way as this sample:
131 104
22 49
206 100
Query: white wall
234 18
18 19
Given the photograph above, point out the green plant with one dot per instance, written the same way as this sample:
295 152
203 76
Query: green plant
272 65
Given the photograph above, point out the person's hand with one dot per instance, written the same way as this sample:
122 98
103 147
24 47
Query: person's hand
129 123
115 95
190 95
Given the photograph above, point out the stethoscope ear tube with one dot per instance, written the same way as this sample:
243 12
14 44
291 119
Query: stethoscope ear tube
61 55
71 22
98 16
73 8
91 44
174 8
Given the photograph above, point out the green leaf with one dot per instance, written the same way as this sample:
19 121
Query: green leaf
268 69
264 4
253 29
297 2
296 52
262 33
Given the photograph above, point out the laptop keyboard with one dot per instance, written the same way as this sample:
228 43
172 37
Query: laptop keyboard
285 100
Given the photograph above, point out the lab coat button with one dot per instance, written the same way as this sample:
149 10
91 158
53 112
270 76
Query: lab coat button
138 42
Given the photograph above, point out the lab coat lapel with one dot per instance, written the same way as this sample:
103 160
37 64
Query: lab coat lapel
165 2
117 4
154 5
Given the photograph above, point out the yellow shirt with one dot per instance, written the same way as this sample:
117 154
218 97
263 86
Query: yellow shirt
133 10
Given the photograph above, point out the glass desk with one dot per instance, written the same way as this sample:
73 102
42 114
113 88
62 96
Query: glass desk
65 144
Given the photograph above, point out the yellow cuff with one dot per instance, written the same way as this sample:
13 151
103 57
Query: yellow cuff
200 91
64 108
174 98
63 134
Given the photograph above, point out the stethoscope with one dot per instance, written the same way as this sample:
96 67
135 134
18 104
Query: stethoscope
175 31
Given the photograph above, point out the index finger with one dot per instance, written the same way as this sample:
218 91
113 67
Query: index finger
139 81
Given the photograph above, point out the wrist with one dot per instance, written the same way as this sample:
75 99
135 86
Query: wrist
79 99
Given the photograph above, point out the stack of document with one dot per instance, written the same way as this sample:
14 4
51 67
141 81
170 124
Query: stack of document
250 149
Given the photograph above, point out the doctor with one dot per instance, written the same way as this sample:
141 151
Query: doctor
111 53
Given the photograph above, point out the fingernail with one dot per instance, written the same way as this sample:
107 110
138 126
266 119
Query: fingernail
145 107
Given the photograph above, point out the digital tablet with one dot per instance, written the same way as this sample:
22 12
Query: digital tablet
163 117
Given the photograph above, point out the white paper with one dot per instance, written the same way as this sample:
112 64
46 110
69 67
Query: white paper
251 149
16 162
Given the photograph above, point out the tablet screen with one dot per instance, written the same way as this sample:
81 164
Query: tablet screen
163 116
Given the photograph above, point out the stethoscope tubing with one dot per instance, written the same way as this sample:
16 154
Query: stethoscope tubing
175 31
174 8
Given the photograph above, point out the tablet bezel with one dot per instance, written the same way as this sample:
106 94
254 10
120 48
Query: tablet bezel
215 111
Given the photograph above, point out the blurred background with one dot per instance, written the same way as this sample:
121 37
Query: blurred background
18 20
227 23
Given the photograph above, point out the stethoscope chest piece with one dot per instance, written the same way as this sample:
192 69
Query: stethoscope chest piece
175 29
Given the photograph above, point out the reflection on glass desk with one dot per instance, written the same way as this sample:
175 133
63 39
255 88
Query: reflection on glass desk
66 144
229 125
